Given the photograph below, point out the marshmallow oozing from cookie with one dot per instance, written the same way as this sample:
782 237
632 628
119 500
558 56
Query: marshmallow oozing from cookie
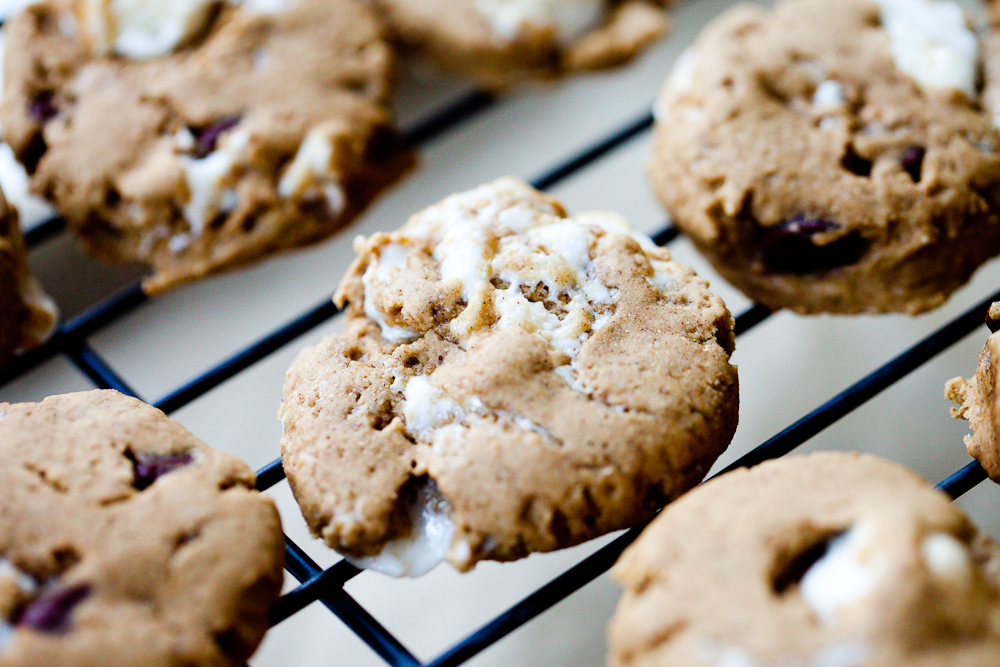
539 378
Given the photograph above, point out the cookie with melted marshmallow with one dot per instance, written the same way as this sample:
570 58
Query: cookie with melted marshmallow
498 42
827 559
127 542
510 379
198 135
836 156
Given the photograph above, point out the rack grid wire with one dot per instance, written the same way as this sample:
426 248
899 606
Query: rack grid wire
72 340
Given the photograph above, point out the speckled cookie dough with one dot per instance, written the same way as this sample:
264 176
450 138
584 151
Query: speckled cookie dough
27 314
199 135
510 379
978 401
829 560
126 542
497 42
836 156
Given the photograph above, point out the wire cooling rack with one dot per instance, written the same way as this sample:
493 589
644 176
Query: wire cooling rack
74 341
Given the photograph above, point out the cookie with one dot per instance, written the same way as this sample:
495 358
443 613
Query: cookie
510 379
979 401
201 135
27 314
828 560
126 541
497 42
836 156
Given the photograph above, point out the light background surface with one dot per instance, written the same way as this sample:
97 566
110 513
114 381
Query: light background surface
788 365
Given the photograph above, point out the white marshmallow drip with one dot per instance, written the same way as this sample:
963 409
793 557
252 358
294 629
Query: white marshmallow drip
427 544
829 94
931 41
847 574
205 177
947 557
311 172
569 19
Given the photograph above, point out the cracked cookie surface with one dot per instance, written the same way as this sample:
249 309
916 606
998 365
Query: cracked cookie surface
510 379
203 140
829 559
125 541
836 156
498 42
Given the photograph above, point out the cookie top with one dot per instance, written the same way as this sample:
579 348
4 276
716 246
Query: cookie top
829 559
27 314
836 156
510 379
239 128
978 401
126 541
497 42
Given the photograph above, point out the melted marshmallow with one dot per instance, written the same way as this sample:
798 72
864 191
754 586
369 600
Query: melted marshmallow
567 18
931 41
848 573
829 93
312 171
390 256
205 177
147 28
424 547
947 557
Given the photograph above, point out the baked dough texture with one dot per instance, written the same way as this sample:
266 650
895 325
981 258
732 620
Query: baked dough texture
836 156
536 379
27 314
126 542
498 42
264 126
979 401
828 559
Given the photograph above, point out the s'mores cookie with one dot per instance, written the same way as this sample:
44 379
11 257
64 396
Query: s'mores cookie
125 541
27 314
836 156
497 42
510 379
978 401
833 559
195 136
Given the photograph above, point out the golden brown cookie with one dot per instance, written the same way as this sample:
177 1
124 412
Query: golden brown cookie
828 560
836 156
510 379
497 42
198 135
125 541
27 315
979 401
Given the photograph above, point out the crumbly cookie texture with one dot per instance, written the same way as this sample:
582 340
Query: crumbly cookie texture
125 541
978 401
510 379
836 156
498 42
27 314
196 136
829 559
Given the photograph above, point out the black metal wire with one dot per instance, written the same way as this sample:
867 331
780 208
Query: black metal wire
327 586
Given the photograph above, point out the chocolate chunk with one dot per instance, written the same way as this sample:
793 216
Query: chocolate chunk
50 612
43 107
789 247
208 137
149 467
913 161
